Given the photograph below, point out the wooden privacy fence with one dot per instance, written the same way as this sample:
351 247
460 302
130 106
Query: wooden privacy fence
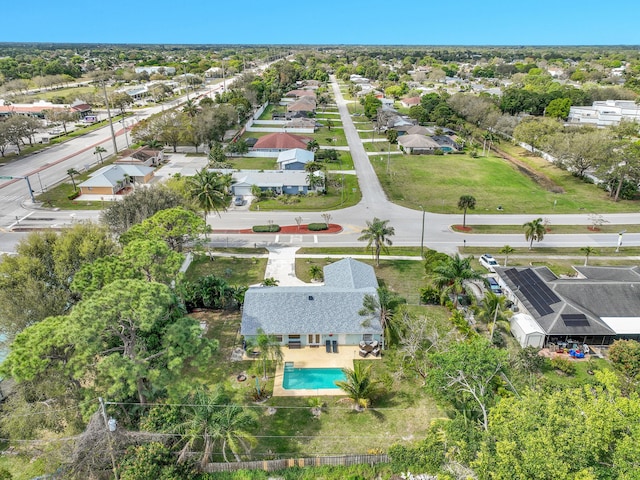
273 465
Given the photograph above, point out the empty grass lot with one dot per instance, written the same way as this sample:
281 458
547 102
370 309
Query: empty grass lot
437 182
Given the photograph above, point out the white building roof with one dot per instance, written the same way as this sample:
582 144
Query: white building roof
295 155
623 325
527 324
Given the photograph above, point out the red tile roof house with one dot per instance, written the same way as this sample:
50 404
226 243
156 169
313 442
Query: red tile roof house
279 142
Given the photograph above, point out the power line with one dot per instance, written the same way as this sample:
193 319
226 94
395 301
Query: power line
224 405
43 412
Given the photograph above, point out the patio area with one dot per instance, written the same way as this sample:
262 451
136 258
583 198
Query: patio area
308 357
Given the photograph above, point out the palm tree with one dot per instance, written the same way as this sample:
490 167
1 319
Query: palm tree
210 420
506 250
316 272
71 172
313 146
270 282
381 308
377 234
491 310
209 189
270 350
534 230
359 385
466 202
587 251
190 109
99 151
450 275
312 179
233 425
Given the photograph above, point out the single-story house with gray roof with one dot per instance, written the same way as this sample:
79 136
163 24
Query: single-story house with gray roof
417 144
311 315
597 306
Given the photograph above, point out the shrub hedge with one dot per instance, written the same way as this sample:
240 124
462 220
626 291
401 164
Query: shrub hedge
266 228
316 227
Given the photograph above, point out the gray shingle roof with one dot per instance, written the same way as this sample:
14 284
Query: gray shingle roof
606 292
325 309
350 273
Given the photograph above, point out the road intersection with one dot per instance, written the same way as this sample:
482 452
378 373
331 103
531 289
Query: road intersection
49 167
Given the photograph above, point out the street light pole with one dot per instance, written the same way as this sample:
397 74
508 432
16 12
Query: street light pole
422 235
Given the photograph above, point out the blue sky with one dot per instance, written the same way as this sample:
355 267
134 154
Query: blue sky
442 22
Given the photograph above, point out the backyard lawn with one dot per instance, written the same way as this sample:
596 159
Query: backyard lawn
402 412
491 180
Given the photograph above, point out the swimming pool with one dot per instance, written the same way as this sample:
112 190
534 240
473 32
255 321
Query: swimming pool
310 378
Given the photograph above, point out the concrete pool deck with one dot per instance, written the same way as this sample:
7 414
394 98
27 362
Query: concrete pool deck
308 357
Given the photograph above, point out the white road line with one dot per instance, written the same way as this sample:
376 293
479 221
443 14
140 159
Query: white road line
277 238
315 239
17 222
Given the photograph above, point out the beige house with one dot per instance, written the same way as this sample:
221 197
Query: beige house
112 179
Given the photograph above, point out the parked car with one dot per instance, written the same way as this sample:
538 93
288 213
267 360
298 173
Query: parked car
238 201
488 262
494 286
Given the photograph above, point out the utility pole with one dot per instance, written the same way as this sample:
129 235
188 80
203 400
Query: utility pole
422 236
113 133
110 426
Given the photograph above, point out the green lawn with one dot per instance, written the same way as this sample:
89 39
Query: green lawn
581 377
437 182
235 270
405 277
253 163
334 199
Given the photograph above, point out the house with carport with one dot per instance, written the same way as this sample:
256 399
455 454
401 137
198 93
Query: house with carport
595 307
309 316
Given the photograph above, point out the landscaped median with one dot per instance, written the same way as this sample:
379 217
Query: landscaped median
311 228
550 229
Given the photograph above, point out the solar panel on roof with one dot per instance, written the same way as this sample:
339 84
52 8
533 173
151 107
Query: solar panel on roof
534 289
574 320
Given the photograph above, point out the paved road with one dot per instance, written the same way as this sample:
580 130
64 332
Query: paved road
406 222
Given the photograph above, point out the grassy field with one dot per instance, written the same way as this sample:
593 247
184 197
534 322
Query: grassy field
315 203
68 91
437 182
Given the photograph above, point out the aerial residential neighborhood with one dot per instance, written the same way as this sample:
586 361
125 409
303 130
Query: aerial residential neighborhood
231 253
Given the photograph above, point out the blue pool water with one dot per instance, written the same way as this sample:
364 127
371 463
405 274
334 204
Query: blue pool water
310 378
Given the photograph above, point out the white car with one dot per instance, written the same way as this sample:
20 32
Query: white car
488 262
